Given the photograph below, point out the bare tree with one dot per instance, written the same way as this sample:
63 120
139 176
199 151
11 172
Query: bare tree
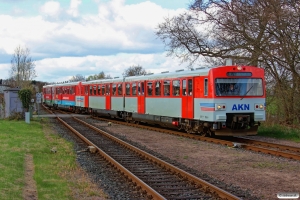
101 75
134 70
77 77
22 67
262 33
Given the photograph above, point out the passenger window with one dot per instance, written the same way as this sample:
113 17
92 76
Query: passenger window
205 87
141 88
190 87
183 87
167 88
128 89
103 89
99 90
149 88
95 89
91 90
176 87
120 89
108 89
134 89
114 88
157 88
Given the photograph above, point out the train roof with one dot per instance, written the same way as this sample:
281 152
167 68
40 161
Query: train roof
62 84
201 71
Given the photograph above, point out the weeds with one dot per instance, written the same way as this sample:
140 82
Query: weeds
280 132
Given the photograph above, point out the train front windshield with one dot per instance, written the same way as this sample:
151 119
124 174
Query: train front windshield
239 87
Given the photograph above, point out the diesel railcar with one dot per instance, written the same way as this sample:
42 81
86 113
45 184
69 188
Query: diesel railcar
225 100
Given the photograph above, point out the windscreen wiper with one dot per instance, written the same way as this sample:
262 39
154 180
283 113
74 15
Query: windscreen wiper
246 92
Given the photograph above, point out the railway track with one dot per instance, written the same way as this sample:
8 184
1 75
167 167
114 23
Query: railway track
278 150
155 178
284 151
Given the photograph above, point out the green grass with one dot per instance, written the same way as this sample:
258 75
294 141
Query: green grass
17 139
280 132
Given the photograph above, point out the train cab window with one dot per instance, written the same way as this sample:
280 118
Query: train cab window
99 90
127 88
141 88
114 89
157 88
183 87
103 90
95 89
149 89
190 87
134 89
239 87
120 89
176 87
166 88
205 87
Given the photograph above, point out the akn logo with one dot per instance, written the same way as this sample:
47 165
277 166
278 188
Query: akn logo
241 107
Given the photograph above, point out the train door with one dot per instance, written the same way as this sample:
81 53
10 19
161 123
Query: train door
141 97
79 94
187 98
58 95
53 93
108 97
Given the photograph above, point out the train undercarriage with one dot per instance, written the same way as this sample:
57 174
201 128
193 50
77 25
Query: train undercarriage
235 124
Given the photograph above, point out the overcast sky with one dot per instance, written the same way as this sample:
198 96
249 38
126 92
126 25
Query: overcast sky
70 37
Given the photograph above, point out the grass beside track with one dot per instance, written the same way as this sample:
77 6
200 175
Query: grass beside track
279 131
56 174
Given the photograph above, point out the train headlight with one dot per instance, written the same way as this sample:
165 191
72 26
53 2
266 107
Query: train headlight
220 106
258 106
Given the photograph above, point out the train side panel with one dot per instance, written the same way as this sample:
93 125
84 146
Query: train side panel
97 102
170 107
117 103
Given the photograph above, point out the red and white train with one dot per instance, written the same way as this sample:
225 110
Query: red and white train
226 100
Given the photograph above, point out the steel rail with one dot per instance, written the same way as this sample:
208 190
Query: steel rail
267 144
207 186
151 193
272 152
196 137
228 143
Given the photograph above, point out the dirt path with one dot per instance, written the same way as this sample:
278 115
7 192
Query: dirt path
30 190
